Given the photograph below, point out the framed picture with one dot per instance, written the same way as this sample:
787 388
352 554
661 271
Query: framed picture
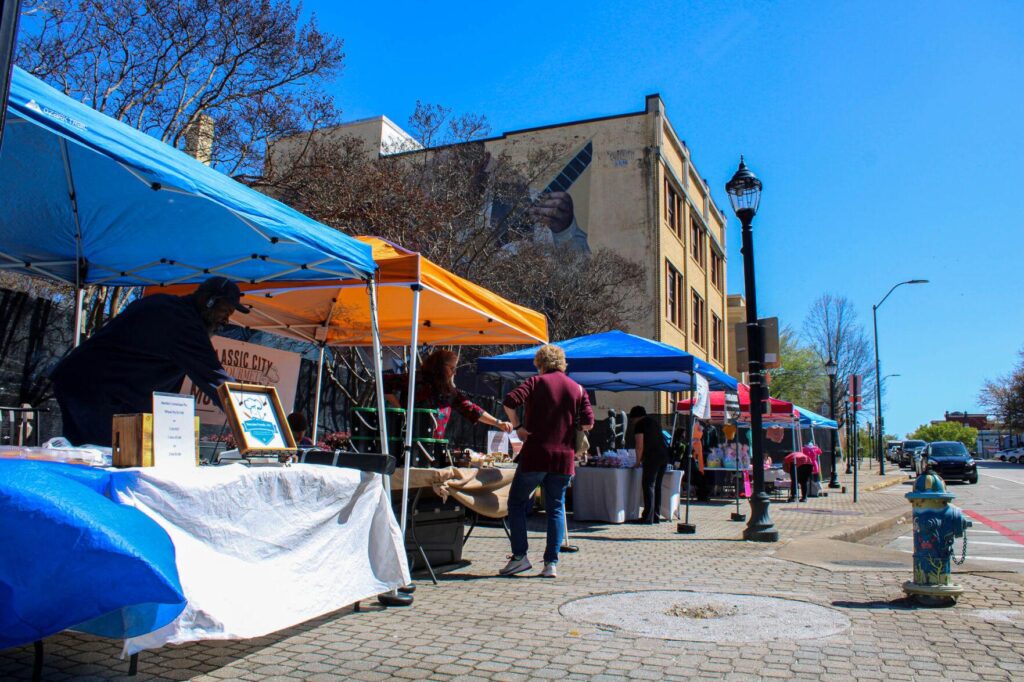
257 420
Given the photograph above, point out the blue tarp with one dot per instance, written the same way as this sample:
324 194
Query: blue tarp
814 420
146 213
72 557
616 361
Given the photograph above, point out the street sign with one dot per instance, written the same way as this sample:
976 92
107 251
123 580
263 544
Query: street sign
856 397
769 333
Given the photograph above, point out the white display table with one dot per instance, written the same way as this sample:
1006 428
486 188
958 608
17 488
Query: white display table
262 549
615 495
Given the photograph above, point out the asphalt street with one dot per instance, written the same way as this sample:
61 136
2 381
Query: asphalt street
995 505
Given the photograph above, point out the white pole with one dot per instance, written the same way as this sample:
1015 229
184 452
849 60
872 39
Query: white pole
410 401
79 302
378 371
319 388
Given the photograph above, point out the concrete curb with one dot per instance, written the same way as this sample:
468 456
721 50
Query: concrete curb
885 484
876 525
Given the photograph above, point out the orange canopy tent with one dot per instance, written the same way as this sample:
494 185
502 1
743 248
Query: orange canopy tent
452 310
419 302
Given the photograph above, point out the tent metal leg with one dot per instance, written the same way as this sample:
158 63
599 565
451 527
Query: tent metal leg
316 396
410 406
687 528
37 660
133 665
378 372
79 305
393 598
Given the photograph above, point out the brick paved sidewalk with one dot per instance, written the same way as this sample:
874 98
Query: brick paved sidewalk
475 626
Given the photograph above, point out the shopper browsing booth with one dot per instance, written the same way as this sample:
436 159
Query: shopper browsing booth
150 347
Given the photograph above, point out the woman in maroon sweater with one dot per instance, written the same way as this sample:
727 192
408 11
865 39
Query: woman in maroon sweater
552 402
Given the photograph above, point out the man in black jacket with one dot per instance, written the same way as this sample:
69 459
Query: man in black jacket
149 347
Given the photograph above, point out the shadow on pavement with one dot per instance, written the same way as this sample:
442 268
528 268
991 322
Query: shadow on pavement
901 604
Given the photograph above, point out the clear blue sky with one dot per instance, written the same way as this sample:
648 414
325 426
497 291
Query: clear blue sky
888 136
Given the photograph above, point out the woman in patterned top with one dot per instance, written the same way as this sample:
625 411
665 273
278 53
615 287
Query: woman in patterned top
435 389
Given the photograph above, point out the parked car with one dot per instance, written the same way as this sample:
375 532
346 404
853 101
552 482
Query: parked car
892 451
908 449
950 460
1014 456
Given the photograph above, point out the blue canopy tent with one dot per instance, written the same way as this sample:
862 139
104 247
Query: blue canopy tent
814 420
91 200
88 199
616 361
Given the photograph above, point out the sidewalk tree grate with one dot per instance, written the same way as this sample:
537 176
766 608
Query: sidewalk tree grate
706 616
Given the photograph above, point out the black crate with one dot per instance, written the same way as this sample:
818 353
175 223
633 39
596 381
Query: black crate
439 529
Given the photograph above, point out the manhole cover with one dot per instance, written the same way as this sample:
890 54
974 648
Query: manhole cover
867 563
707 616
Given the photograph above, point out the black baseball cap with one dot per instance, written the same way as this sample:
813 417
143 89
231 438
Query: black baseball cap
224 289
637 411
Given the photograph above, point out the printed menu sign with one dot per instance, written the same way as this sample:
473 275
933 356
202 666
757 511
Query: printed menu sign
174 430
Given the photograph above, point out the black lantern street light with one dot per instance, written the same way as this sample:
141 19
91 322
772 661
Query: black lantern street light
745 194
879 419
830 369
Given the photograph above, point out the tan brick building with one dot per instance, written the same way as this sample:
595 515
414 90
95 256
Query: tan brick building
635 190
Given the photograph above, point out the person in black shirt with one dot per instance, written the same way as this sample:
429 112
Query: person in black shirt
149 347
652 454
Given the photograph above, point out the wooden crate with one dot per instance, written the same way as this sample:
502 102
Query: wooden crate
133 440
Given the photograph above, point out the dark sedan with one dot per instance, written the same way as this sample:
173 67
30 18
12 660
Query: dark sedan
951 461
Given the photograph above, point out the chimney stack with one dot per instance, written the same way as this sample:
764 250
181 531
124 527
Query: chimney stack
199 139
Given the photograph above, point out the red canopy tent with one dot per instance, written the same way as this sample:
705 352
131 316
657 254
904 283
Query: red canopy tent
778 410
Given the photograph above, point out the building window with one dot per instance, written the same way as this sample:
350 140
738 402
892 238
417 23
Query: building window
717 270
697 242
698 311
673 295
673 209
716 337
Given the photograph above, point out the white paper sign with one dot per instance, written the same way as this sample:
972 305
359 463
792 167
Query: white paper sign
174 431
702 405
249 363
497 441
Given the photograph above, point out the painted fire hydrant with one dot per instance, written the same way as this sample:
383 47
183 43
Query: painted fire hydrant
937 524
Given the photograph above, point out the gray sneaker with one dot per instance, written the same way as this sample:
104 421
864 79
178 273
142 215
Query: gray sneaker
516 565
549 571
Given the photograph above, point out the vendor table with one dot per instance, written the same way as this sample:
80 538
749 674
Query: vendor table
482 491
264 548
615 496
727 476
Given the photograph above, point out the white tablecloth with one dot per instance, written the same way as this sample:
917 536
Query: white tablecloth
265 548
615 495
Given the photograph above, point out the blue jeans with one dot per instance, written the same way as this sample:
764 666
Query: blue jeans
523 485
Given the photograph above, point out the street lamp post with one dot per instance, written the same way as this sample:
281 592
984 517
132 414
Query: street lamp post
879 420
745 194
830 369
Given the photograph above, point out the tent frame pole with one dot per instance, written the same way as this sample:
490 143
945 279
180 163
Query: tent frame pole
378 373
319 389
410 401
686 527
79 311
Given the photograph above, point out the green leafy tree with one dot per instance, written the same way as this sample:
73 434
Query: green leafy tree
968 435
